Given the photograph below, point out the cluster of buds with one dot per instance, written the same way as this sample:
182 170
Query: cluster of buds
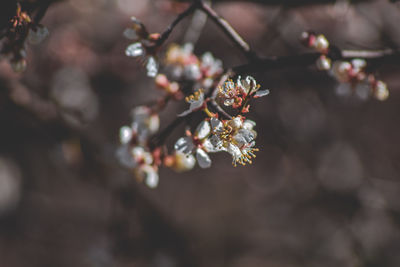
352 75
354 80
21 30
143 47
320 44
134 152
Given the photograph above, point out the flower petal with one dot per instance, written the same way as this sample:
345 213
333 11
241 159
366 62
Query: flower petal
134 50
261 93
203 130
150 176
216 124
203 159
184 145
152 67
125 134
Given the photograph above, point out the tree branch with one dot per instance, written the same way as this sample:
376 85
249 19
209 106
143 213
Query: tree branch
229 31
308 59
164 36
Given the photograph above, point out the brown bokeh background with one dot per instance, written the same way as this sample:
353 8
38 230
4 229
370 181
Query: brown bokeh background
324 189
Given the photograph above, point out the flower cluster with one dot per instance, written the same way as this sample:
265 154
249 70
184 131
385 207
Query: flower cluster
235 136
143 45
182 73
352 75
134 152
354 80
21 30
182 64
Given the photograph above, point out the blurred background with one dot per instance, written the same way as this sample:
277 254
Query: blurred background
324 189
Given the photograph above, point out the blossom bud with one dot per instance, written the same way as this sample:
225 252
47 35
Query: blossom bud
381 91
323 63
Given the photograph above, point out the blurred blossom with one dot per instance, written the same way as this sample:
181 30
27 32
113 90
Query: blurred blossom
10 184
72 92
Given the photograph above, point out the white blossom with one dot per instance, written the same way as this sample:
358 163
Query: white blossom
198 144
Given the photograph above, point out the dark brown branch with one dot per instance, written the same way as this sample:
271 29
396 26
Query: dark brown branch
308 59
164 36
229 31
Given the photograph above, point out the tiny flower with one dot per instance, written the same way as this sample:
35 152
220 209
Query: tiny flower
210 66
136 31
381 91
358 64
141 48
235 137
321 44
323 63
148 174
196 102
250 86
197 144
145 123
341 70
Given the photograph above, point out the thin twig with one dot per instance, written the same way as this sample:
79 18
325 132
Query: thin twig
164 36
229 31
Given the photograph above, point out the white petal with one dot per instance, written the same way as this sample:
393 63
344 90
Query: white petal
195 104
249 124
236 123
261 93
251 82
134 50
151 176
153 123
186 112
184 145
210 148
152 67
125 134
202 158
216 124
184 162
203 130
130 33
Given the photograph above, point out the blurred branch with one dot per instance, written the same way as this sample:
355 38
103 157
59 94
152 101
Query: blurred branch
164 36
308 59
229 31
289 3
